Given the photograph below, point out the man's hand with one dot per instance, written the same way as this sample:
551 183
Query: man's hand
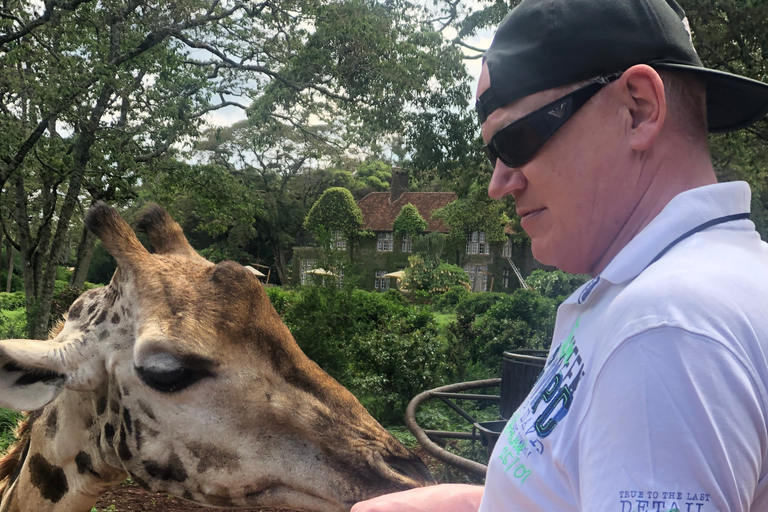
438 498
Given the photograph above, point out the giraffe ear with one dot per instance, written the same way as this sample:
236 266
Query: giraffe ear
28 377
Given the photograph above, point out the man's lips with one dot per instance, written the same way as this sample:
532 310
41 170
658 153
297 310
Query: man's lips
526 213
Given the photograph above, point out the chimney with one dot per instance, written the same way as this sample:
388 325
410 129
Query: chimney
398 185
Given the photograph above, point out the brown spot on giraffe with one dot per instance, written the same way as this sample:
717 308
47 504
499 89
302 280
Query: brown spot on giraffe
50 480
205 356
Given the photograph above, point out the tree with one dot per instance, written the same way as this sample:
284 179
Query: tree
92 93
475 212
409 221
336 210
426 274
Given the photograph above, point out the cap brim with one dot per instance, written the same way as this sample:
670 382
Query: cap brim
733 102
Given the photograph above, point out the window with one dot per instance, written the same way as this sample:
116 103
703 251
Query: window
386 242
507 250
306 265
337 240
477 274
406 243
382 283
476 243
505 277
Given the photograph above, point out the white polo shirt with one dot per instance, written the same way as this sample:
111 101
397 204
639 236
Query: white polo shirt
654 394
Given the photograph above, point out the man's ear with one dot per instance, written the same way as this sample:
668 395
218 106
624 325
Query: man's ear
646 103
30 374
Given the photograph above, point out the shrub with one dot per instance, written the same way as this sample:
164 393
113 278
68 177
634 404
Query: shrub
390 368
12 301
478 303
431 276
523 320
336 209
8 421
557 284
449 300
409 221
281 299
13 324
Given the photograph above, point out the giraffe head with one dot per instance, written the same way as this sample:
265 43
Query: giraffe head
181 373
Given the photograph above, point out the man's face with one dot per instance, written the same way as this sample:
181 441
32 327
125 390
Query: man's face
573 195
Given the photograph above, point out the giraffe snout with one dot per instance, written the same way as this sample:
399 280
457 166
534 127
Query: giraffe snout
411 468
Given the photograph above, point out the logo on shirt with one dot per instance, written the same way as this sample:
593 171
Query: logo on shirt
544 409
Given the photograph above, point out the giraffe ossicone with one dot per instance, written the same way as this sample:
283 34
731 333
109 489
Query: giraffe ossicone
181 374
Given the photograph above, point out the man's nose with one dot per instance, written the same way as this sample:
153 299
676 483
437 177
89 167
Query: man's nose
505 181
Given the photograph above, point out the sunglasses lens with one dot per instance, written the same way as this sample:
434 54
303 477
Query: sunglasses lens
491 156
517 143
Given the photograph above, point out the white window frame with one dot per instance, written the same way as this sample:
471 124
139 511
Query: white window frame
306 266
476 243
506 251
406 244
338 241
385 242
474 271
381 283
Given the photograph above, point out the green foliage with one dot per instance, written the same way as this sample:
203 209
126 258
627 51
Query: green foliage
386 350
523 320
409 221
325 319
335 210
17 282
556 285
449 300
12 301
487 324
103 265
371 176
209 198
282 300
13 324
9 420
475 212
392 366
376 344
430 245
431 276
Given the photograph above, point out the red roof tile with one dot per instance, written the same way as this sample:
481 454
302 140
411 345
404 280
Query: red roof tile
379 214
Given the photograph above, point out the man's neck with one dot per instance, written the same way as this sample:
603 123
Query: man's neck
678 174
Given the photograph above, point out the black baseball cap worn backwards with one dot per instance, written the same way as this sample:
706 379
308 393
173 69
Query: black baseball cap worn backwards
542 44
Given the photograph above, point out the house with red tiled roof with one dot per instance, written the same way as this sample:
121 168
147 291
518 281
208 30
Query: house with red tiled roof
488 264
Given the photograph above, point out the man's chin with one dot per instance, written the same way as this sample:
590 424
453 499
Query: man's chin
558 257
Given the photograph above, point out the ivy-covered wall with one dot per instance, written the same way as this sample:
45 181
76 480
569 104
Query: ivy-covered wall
367 260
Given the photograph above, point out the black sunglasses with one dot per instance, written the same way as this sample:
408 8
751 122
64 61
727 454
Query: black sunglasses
516 143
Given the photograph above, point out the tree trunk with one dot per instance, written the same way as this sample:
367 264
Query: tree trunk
280 265
8 281
81 157
84 255
25 249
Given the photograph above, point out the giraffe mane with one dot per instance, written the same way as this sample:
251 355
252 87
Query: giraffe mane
14 457
17 452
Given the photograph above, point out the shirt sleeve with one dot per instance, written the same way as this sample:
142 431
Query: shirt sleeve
675 423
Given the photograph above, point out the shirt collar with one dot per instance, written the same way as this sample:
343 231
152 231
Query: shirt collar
683 213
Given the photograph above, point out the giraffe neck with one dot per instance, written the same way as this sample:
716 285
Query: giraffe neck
61 466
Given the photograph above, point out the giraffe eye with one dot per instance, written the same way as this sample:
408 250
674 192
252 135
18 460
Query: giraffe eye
168 374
